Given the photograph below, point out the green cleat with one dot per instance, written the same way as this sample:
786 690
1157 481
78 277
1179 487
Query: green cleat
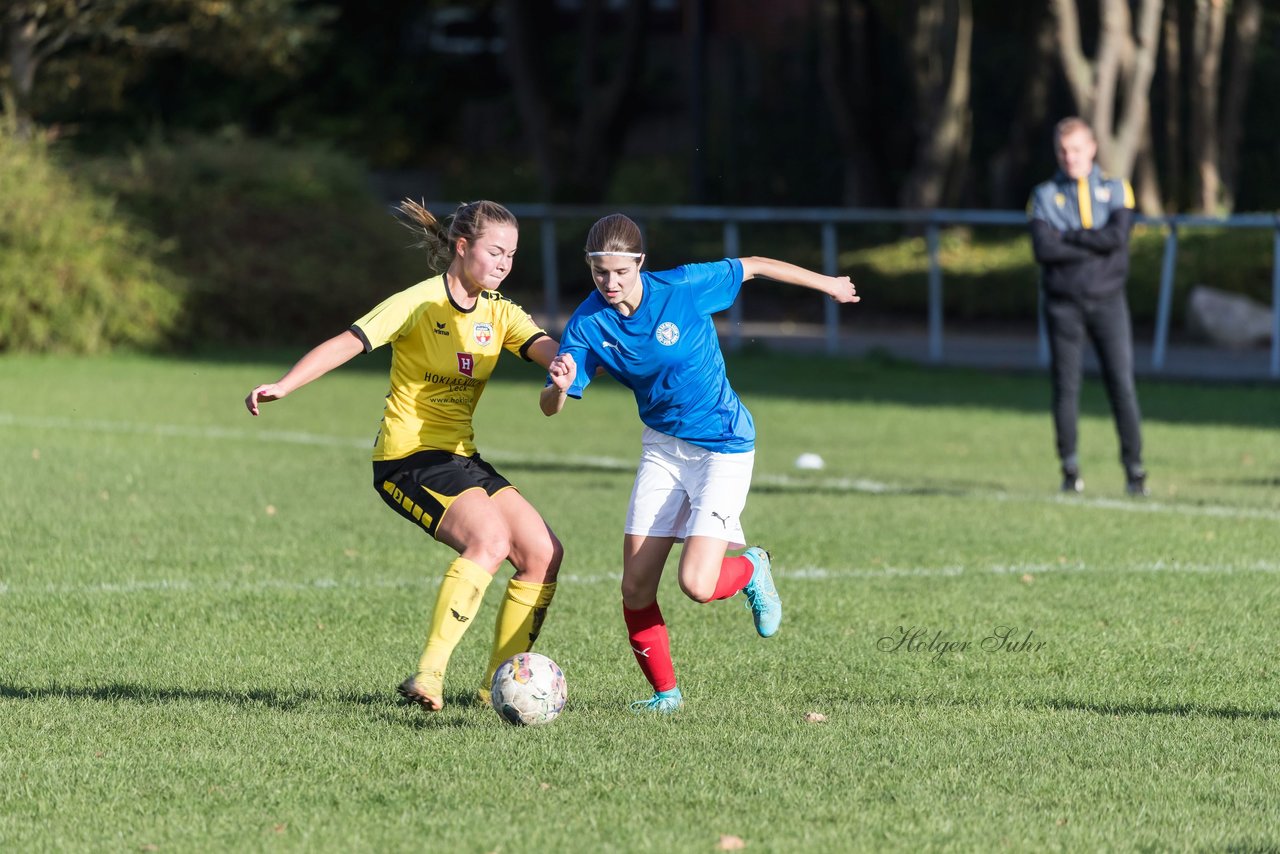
661 703
762 595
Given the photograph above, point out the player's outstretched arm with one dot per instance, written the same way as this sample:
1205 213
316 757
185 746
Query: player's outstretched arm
542 351
839 288
562 371
322 358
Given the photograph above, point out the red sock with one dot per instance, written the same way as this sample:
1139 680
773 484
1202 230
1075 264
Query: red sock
651 645
735 574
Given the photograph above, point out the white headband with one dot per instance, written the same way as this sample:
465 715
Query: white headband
619 254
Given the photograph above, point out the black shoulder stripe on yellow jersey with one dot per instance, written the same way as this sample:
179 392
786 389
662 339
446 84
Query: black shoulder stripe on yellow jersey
524 348
364 339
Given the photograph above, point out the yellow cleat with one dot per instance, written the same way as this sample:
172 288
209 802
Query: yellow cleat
426 688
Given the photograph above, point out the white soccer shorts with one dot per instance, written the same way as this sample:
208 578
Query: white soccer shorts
683 491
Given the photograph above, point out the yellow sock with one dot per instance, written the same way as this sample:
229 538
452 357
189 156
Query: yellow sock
519 620
461 593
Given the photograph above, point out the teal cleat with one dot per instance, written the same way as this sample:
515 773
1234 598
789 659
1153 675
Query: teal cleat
762 595
661 703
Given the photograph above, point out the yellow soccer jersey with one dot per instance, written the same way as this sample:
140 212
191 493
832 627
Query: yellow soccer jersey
441 358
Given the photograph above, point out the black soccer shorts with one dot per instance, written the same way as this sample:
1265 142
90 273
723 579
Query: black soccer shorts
421 487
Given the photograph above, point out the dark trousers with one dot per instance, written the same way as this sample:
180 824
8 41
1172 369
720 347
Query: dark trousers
1105 321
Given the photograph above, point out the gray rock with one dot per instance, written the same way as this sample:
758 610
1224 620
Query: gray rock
1228 320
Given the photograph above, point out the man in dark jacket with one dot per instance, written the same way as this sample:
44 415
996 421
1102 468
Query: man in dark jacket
1080 221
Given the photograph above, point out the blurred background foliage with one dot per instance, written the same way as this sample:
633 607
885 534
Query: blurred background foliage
190 173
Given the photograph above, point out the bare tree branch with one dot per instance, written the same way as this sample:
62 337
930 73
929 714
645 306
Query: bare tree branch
1137 97
1208 32
942 96
1113 92
1112 43
1075 65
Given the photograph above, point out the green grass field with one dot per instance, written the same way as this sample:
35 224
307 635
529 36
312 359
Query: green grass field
203 617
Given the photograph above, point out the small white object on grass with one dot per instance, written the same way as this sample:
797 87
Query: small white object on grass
809 462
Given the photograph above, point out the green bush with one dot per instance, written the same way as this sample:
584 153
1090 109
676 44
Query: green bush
275 244
195 244
74 277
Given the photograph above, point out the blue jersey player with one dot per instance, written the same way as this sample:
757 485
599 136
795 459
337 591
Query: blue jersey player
654 334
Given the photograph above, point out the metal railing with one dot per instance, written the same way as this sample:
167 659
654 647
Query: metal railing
931 221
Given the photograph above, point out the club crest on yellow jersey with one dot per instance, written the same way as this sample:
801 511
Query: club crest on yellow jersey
483 333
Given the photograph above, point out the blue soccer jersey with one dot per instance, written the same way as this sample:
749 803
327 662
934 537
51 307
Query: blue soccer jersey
668 354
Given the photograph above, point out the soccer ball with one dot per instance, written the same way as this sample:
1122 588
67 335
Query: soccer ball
528 690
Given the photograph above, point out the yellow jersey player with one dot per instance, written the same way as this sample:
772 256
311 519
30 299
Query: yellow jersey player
446 334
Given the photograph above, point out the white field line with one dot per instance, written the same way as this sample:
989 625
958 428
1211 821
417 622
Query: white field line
289 437
831 484
785 576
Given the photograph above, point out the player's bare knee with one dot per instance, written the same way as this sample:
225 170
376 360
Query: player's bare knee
699 590
638 602
637 595
490 548
538 562
630 590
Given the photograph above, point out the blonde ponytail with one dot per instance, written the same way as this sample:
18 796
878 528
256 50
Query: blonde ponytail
467 222
432 236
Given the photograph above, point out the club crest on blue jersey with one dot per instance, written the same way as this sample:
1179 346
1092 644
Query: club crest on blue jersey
667 334
483 333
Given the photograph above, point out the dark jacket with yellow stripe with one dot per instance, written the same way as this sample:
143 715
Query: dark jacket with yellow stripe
1080 233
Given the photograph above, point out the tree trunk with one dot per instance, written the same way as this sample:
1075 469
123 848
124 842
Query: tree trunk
1009 165
844 58
22 32
1076 67
1113 39
1112 91
576 150
531 103
597 144
695 29
1208 31
1173 106
1137 106
942 98
1146 178
1248 25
